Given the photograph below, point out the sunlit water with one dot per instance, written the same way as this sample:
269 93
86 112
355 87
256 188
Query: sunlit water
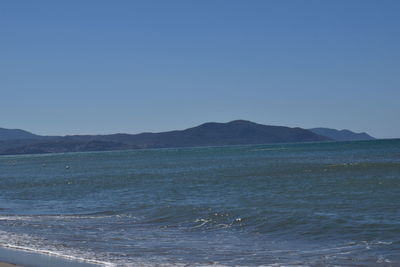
295 204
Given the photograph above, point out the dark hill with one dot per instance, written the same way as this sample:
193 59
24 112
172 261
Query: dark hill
342 135
237 132
14 134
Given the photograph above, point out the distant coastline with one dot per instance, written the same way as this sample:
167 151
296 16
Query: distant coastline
238 132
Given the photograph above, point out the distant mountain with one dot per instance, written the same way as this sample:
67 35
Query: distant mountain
237 132
342 135
14 134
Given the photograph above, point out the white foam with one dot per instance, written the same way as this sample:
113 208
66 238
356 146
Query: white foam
58 217
20 242
58 254
33 244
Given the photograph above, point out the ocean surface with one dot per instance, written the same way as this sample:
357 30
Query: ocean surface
314 204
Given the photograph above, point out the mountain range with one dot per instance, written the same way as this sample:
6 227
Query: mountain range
238 132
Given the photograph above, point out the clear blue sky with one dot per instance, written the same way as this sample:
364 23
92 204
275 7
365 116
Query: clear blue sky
76 67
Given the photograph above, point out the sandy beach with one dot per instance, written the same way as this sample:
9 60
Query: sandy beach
20 258
4 264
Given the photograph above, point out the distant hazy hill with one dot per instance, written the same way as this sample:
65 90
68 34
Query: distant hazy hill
238 132
215 134
342 135
14 134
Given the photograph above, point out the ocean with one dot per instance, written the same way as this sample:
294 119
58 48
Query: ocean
309 204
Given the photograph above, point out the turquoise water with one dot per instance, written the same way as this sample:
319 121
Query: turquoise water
309 204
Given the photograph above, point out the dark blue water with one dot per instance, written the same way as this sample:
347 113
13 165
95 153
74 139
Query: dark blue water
317 204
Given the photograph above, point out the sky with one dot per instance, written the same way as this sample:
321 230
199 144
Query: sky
99 67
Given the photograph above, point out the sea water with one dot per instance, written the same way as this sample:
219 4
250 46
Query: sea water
314 204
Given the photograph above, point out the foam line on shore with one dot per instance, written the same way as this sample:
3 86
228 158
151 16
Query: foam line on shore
58 255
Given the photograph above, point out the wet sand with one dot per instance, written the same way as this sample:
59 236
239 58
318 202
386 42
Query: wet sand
3 264
20 258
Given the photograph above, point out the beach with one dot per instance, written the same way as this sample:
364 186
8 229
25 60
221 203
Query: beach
3 264
22 258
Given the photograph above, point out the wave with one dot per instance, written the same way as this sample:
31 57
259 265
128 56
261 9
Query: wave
92 215
269 149
37 245
33 244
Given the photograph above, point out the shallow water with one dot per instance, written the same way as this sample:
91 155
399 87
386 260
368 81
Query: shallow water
293 204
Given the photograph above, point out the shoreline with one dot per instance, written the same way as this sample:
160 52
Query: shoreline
11 257
6 264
